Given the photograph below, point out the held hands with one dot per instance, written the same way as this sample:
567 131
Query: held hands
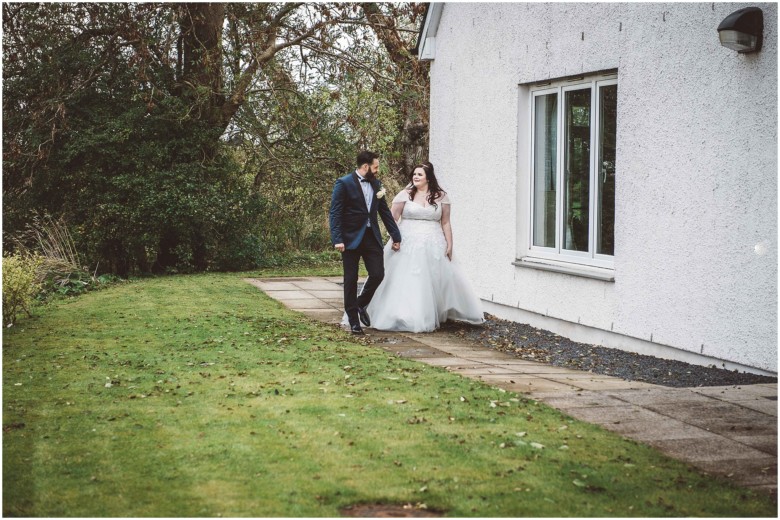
340 247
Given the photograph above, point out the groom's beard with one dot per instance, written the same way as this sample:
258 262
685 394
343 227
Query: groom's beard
370 175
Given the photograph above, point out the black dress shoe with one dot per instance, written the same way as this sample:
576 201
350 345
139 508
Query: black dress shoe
355 329
364 319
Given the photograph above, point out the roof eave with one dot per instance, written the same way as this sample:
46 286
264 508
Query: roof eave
425 50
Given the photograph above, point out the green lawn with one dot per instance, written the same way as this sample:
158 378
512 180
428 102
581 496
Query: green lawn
200 396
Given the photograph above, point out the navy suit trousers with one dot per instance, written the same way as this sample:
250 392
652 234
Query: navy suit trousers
372 253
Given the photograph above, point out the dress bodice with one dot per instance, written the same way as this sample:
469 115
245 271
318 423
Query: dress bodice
414 211
420 226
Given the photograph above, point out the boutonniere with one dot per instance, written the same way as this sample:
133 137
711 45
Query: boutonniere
381 192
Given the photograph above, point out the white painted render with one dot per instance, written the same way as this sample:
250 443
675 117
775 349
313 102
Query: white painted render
695 266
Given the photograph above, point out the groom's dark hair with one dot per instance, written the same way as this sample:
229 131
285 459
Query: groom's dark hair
366 157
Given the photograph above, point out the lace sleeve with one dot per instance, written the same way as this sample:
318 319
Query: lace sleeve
402 196
445 199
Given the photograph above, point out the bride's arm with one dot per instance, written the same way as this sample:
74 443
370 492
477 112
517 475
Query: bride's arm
399 202
447 228
397 209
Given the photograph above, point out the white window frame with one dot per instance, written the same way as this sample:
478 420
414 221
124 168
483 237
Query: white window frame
559 253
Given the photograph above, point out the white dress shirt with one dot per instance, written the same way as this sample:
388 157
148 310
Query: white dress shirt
368 193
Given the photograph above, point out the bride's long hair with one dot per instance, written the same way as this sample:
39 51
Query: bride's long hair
434 190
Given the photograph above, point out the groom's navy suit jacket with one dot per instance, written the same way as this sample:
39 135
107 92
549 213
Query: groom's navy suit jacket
349 216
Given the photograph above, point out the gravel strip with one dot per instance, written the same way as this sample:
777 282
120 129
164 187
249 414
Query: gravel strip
543 346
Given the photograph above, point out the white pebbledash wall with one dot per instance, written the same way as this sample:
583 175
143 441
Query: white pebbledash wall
696 212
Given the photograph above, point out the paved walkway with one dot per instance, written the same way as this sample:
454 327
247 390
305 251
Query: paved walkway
727 431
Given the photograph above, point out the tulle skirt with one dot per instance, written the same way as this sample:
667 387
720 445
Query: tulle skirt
422 288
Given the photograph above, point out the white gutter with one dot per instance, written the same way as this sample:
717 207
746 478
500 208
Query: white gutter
426 47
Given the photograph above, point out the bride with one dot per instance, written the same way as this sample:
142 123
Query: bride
422 287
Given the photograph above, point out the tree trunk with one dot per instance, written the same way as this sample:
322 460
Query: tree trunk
413 127
201 34
166 256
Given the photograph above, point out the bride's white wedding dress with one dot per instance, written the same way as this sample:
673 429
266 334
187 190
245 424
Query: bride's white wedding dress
422 288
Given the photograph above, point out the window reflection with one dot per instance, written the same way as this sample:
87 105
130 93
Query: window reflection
577 170
606 195
545 169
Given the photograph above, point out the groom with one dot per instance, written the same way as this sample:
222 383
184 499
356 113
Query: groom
354 231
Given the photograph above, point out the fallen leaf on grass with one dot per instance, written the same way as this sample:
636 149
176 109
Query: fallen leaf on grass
13 426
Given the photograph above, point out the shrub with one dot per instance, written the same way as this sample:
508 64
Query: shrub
21 284
60 271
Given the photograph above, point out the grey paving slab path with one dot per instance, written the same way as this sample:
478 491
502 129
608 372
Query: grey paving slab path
726 431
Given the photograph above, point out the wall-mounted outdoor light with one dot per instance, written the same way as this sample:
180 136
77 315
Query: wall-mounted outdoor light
743 30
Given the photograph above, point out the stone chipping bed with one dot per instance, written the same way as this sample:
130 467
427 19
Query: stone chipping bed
543 346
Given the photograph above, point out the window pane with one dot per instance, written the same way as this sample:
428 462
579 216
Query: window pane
576 170
545 169
605 238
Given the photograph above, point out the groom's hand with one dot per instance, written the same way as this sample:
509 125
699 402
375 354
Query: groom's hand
396 246
339 248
